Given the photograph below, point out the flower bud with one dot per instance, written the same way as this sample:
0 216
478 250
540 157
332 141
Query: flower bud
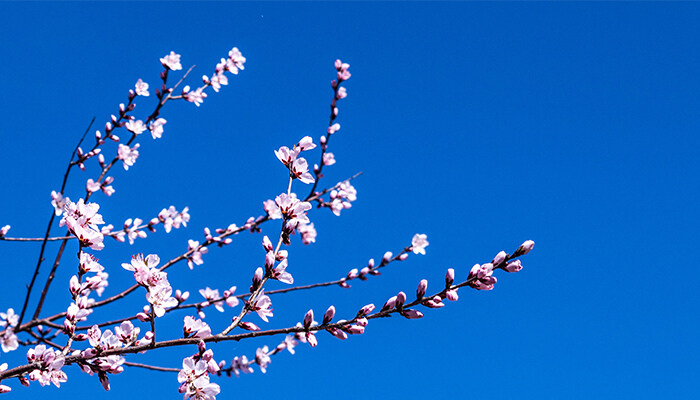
525 248
387 257
249 326
267 244
308 319
328 316
500 257
449 277
400 299
412 314
422 287
513 266
389 303
365 310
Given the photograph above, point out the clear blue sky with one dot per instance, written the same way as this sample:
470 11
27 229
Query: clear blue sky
482 125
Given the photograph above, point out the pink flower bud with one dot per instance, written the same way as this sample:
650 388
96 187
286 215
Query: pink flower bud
403 256
362 321
370 264
202 347
435 302
525 247
311 338
387 257
338 333
356 329
422 287
449 277
257 279
513 266
89 353
452 295
412 314
249 326
400 299
328 316
308 319
352 274
389 303
365 310
281 255
267 244
500 257
80 337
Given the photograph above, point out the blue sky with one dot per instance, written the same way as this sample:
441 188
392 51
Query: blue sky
481 125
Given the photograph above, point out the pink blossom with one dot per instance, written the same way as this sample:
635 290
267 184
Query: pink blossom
126 332
159 297
211 295
132 231
8 318
135 126
328 159
171 61
8 341
235 61
293 209
156 128
333 128
263 306
83 220
196 256
262 358
141 88
196 96
306 143
281 274
92 186
217 81
48 364
171 218
419 243
198 327
58 202
287 156
300 170
128 154
308 232
290 343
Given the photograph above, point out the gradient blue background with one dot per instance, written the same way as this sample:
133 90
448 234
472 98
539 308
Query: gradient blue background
481 125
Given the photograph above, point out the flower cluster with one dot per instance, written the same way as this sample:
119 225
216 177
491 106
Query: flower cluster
290 208
82 220
171 218
154 280
97 282
128 155
8 338
342 197
48 363
194 376
298 166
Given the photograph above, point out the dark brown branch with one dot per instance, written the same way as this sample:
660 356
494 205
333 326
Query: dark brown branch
48 227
